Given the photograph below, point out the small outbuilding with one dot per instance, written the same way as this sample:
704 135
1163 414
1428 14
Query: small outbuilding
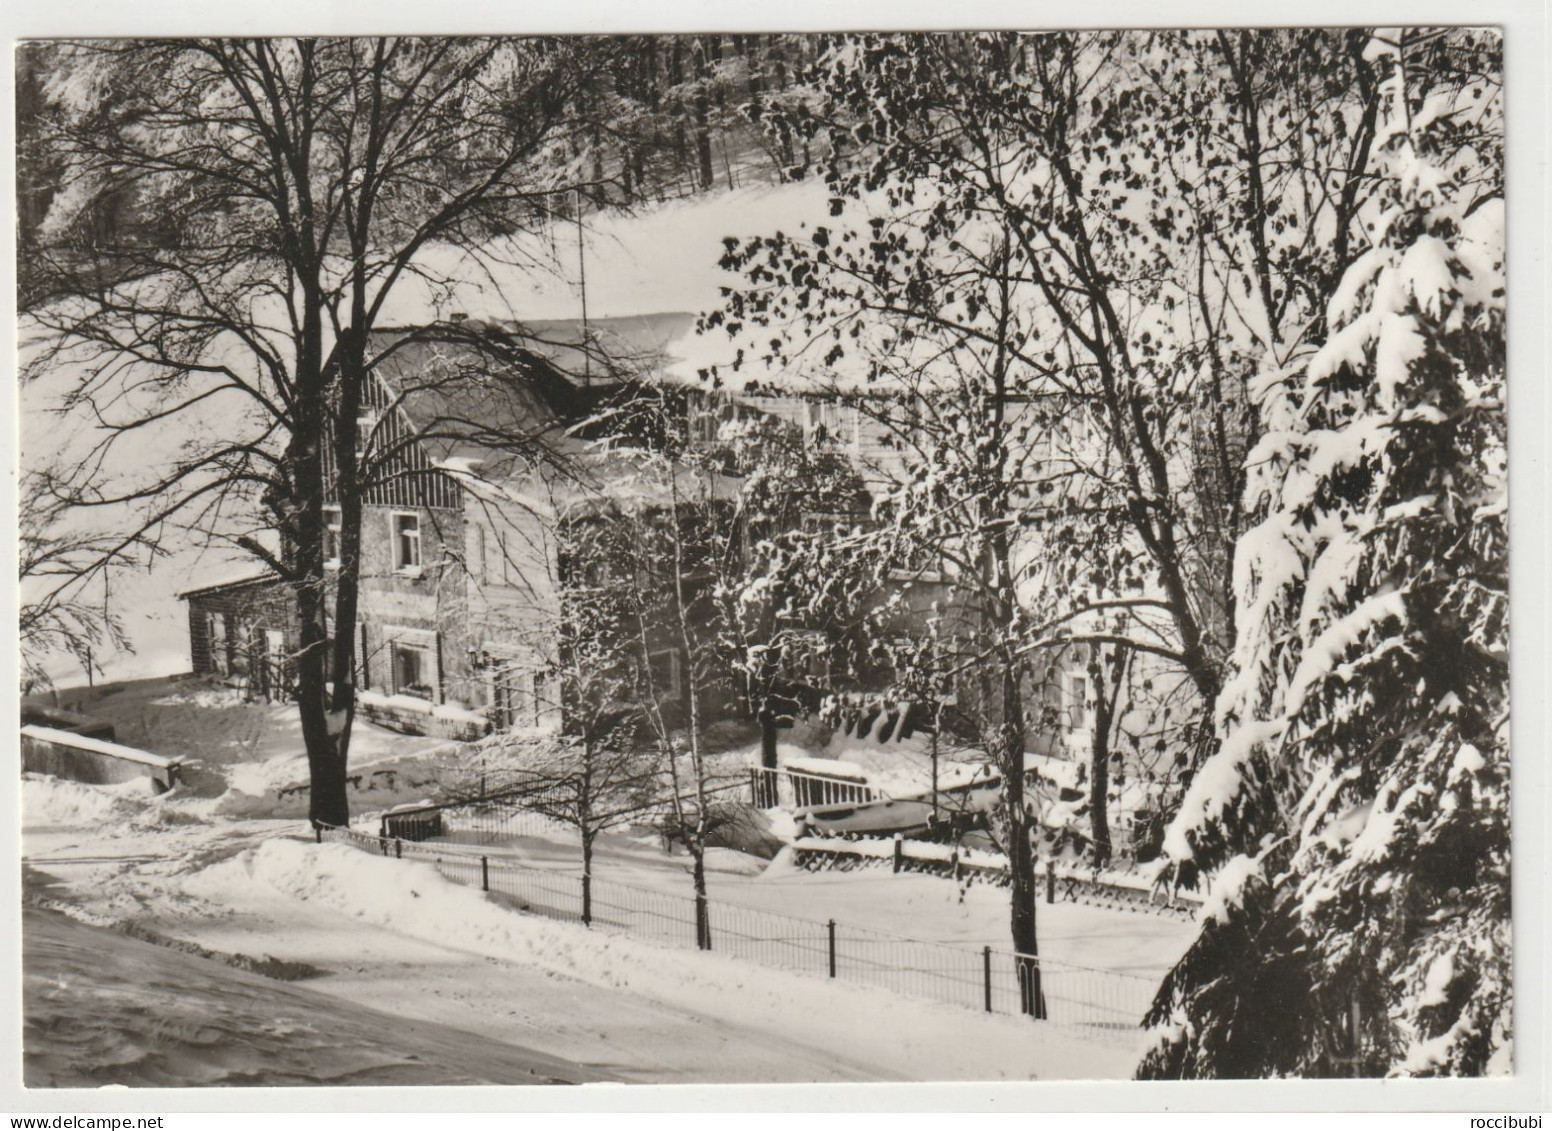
244 632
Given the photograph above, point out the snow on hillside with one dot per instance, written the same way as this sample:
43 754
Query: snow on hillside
651 260
915 905
87 993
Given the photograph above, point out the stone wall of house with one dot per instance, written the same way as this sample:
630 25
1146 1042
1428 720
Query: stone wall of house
423 608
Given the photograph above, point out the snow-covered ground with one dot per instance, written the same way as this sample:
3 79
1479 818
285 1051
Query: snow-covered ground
916 905
396 937
247 758
88 992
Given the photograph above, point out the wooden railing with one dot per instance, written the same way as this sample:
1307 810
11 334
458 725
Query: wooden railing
769 788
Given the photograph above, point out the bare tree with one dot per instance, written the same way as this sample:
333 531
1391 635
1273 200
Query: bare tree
301 187
671 529
58 567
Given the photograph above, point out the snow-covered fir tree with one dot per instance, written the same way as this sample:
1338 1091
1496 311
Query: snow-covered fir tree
1354 819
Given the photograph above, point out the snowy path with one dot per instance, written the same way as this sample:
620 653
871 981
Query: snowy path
101 1007
395 937
604 1033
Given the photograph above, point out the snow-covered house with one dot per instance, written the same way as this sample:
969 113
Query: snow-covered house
455 630
459 533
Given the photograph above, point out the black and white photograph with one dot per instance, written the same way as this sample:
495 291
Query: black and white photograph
764 558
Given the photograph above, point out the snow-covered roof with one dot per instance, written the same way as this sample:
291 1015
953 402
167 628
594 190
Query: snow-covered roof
253 575
99 746
651 271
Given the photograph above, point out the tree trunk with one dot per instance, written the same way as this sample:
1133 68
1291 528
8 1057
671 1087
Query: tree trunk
585 824
703 140
767 736
302 528
702 907
1106 705
1099 795
587 876
998 585
1023 884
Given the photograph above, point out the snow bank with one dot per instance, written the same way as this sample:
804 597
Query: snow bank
49 801
921 1040
203 697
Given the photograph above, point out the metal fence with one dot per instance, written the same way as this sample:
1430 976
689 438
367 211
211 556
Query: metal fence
515 812
1102 1002
1073 885
479 822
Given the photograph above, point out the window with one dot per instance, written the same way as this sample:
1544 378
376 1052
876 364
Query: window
270 678
410 671
365 423
523 698
705 421
1075 694
511 696
808 658
406 543
543 705
832 422
333 525
505 569
832 524
243 645
919 561
665 669
596 574
478 566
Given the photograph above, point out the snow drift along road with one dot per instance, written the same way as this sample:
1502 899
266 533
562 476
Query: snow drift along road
922 1040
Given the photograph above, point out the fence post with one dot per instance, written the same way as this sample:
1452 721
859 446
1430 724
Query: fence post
831 928
1031 992
398 848
382 842
899 853
484 873
318 832
1050 881
986 975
